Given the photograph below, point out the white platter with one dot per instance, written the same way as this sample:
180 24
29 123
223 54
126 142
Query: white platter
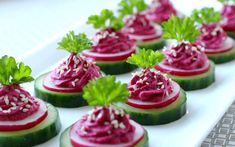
204 109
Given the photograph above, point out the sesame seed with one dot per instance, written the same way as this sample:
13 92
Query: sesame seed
25 110
15 99
0 108
73 83
122 126
28 106
13 104
162 87
109 132
111 116
22 95
17 90
6 100
159 83
13 108
1 97
106 123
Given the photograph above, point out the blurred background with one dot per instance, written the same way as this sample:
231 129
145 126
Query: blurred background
29 25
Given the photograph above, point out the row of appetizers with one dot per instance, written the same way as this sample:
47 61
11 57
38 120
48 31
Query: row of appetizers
155 94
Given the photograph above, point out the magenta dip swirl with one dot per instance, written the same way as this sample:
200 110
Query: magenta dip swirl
228 17
149 86
160 11
16 103
75 72
138 24
212 36
185 56
110 41
106 125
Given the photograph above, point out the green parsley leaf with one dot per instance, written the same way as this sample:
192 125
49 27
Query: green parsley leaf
146 58
12 72
74 43
180 29
106 19
127 7
226 1
104 91
206 15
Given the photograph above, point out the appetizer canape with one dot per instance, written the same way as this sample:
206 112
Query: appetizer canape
186 63
228 17
110 47
24 120
105 125
160 11
155 99
218 47
138 27
63 86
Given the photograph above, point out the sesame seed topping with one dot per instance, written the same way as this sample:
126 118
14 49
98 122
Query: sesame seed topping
28 106
6 100
106 123
13 104
17 90
25 110
15 99
122 126
109 132
0 108
22 95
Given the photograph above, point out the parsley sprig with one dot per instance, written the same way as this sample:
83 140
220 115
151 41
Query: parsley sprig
180 29
105 91
146 58
127 7
106 19
12 72
226 1
74 43
206 15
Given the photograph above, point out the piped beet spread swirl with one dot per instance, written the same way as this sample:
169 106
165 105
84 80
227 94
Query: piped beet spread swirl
212 36
106 125
16 103
75 72
228 14
110 41
160 10
138 24
149 86
185 56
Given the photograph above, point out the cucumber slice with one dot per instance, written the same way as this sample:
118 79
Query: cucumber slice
58 99
117 67
157 116
44 131
65 140
197 81
157 44
222 57
231 34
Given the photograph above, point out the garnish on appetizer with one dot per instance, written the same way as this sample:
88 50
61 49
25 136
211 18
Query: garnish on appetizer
155 99
110 47
218 47
105 125
23 118
161 10
228 17
63 86
138 27
186 62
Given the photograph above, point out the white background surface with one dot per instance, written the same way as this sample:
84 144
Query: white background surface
29 30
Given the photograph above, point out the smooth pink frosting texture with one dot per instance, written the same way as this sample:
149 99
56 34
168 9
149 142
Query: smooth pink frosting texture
185 56
138 24
106 125
149 86
16 103
109 41
160 11
212 36
228 15
75 72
